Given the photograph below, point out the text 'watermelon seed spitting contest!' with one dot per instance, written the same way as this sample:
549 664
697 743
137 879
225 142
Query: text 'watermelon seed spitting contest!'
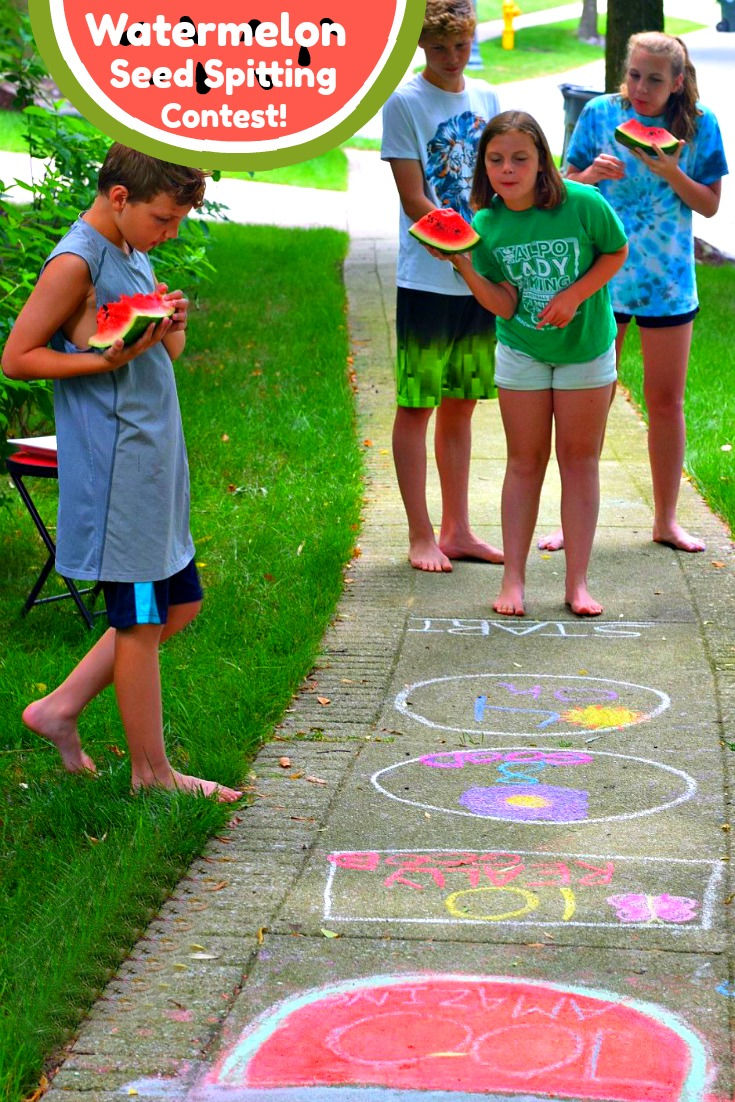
128 319
446 230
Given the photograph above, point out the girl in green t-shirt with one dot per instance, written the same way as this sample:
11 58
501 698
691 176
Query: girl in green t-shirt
548 248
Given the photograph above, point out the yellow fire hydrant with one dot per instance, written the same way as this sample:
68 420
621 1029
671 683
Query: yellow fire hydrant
510 11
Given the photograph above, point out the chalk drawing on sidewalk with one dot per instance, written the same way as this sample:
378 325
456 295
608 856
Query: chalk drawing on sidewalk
510 784
465 1033
520 888
529 705
556 629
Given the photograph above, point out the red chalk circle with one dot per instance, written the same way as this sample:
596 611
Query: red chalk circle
228 85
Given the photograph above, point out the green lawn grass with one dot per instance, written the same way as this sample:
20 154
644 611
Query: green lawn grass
710 396
549 48
276 491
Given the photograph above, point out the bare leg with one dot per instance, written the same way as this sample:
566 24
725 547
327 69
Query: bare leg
527 422
665 362
409 455
580 417
56 715
554 541
453 448
137 682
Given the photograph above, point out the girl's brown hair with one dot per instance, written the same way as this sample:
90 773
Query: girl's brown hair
146 176
681 110
550 190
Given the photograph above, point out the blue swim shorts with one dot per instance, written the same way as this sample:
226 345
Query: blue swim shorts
131 603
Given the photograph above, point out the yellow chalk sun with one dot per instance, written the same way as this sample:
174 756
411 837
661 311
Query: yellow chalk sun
527 801
602 715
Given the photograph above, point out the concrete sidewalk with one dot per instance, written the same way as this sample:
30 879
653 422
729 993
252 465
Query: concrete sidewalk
497 865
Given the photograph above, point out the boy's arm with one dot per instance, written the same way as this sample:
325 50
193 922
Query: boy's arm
60 299
409 180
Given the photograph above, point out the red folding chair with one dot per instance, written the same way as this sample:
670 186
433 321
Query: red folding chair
28 463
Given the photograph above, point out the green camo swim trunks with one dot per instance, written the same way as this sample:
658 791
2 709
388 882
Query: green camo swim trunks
446 346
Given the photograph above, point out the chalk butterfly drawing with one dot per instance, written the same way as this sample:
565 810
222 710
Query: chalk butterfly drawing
633 907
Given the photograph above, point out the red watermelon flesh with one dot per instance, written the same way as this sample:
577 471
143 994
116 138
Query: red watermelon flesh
445 230
636 135
128 318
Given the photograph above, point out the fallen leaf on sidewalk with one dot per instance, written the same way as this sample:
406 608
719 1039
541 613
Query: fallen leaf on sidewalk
718 565
217 887
324 700
260 936
315 780
285 763
329 933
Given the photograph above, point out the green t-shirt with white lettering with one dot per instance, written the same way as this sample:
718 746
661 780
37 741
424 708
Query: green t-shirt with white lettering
542 251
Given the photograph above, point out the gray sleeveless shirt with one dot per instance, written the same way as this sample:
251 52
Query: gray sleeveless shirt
123 472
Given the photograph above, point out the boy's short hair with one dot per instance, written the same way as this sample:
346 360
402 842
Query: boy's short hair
146 176
448 18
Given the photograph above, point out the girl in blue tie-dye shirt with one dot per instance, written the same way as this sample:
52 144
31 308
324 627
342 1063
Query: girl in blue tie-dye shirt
654 196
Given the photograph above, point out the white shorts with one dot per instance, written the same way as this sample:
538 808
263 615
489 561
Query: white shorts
515 370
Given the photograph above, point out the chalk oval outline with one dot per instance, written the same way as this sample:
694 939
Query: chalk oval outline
689 792
400 704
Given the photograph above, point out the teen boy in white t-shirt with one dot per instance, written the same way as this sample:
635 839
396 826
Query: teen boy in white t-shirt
445 339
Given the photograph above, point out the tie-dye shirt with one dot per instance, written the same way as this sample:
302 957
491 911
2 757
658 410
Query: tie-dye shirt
658 278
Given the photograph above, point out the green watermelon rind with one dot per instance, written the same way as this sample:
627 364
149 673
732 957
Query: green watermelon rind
470 241
621 135
131 333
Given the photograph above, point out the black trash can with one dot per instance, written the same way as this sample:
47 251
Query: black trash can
575 97
727 23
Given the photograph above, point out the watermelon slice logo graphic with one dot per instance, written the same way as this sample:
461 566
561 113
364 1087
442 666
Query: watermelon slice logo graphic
230 85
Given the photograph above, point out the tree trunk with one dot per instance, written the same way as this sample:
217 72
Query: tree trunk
587 29
624 18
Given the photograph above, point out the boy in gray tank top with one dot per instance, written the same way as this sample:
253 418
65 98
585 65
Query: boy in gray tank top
123 473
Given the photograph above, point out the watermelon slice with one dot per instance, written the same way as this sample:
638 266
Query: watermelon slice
445 230
637 136
128 319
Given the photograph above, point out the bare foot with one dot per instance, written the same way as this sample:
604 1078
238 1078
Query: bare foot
553 542
196 785
471 549
677 537
42 717
509 602
426 555
581 603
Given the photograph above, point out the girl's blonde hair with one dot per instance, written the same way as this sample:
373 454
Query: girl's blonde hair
550 189
681 111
